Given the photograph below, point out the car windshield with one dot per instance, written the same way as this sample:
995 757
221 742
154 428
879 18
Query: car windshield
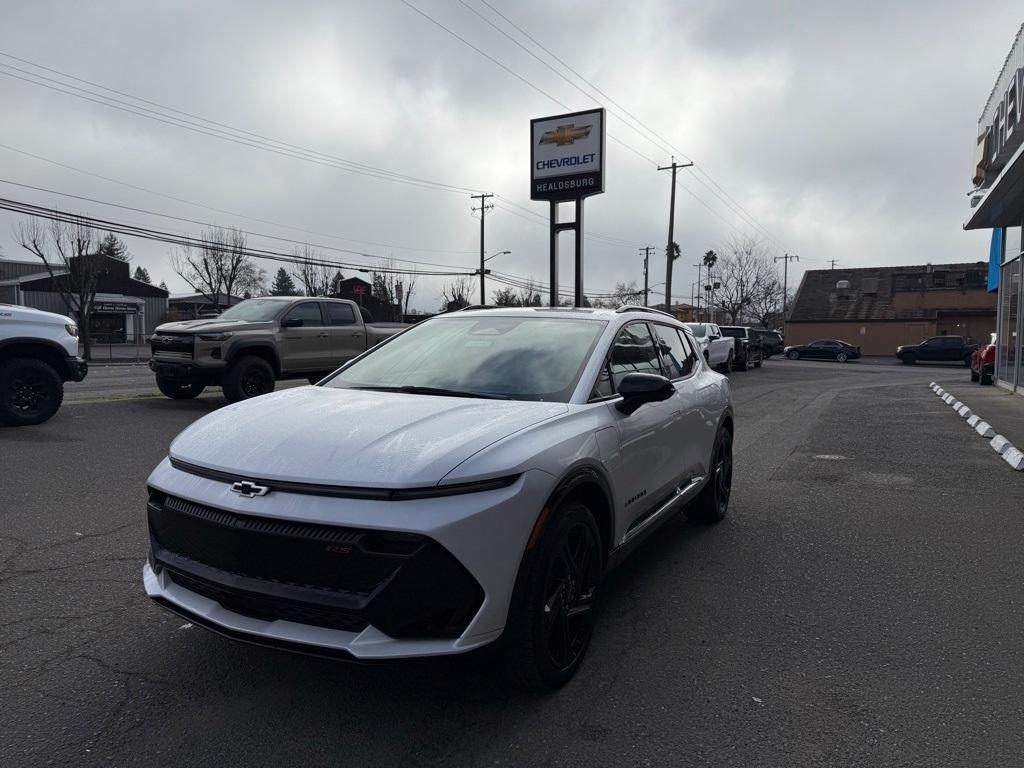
254 310
523 358
699 329
736 333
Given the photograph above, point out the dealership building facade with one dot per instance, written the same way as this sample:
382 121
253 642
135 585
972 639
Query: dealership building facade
998 205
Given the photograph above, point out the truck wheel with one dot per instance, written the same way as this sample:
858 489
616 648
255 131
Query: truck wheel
177 390
249 376
909 359
30 392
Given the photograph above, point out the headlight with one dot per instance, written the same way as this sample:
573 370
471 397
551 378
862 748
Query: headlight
214 336
72 329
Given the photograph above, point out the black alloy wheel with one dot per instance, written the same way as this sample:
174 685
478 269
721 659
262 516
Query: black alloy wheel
713 502
573 573
30 392
249 376
255 382
793 355
841 357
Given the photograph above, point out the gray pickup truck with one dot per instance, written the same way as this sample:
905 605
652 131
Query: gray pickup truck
260 341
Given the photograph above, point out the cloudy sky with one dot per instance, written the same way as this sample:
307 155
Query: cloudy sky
832 130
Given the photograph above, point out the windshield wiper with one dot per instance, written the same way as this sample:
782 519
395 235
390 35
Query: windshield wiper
410 389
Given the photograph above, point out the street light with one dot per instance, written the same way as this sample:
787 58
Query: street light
482 271
499 253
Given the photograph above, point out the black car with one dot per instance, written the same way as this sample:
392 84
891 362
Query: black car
944 349
771 342
747 344
824 349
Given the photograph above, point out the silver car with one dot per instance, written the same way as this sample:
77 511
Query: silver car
470 480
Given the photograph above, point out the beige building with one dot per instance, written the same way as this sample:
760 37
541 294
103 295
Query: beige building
879 308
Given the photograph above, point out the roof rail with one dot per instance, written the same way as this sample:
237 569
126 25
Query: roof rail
477 306
637 308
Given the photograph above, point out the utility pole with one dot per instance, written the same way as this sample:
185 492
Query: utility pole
646 250
833 262
785 259
669 253
700 287
484 208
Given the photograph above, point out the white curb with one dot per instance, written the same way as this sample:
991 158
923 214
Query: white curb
1014 458
957 405
964 411
949 399
973 420
985 430
1000 444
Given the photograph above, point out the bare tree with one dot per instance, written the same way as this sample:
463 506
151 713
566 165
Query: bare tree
316 277
529 294
455 293
507 297
745 272
627 293
408 285
70 253
216 266
252 280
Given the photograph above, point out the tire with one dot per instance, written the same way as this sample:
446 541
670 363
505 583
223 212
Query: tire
841 357
178 390
726 367
909 359
545 640
759 362
985 379
249 376
793 355
31 391
975 376
713 502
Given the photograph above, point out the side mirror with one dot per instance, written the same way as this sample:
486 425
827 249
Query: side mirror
639 388
291 322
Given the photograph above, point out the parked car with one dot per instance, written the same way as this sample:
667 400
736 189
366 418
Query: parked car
824 349
717 349
947 349
748 349
771 342
38 353
468 480
983 362
260 341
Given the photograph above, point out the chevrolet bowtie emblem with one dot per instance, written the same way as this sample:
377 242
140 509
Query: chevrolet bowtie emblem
249 489
565 134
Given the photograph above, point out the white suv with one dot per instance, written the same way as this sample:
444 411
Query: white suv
38 353
470 479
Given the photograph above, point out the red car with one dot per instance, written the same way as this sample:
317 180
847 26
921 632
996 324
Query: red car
983 362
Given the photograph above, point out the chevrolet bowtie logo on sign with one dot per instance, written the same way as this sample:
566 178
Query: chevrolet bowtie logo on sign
565 134
567 156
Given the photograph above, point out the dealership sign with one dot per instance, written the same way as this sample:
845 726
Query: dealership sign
567 156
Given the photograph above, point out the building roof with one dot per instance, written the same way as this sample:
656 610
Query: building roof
869 295
202 298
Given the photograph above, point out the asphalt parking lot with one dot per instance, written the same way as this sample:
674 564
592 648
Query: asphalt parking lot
860 605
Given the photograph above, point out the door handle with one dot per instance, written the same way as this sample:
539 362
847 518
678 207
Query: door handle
322 335
357 334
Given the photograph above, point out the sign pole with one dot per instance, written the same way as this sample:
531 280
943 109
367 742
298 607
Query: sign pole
579 297
553 278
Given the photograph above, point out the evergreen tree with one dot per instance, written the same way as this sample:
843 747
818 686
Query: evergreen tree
114 247
163 285
142 275
283 284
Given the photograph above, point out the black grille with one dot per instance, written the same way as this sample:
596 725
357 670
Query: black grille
177 345
405 584
269 608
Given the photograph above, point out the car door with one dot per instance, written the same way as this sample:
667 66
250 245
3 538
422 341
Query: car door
650 460
692 438
930 349
304 347
348 336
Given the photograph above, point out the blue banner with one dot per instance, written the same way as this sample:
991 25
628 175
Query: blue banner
995 258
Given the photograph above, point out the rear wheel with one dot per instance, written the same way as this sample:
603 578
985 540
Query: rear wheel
31 391
713 502
177 390
551 618
841 357
249 376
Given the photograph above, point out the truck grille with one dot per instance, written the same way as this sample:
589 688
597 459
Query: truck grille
175 346
405 584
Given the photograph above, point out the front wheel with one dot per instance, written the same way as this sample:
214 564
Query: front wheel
248 377
551 618
179 390
713 502
793 355
31 391
908 359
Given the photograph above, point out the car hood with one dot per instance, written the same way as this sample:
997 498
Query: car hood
210 325
353 437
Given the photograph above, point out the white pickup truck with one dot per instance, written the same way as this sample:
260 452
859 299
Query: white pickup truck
38 353
717 349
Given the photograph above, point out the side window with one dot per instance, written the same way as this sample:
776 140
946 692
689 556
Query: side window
308 312
633 352
340 314
603 387
675 352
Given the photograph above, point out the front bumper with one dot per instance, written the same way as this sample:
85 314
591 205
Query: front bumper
482 535
186 371
75 368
